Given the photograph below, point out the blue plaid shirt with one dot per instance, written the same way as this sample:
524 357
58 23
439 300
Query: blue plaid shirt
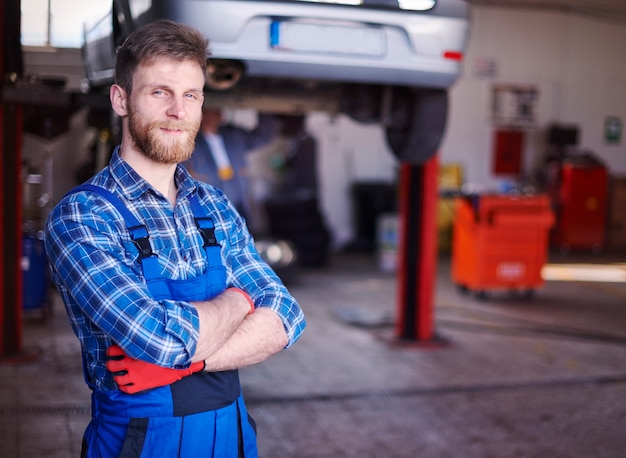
93 263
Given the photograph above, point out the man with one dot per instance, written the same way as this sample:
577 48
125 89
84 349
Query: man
159 274
220 153
294 212
300 161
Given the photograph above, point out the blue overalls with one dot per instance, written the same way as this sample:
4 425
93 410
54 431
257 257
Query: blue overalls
202 415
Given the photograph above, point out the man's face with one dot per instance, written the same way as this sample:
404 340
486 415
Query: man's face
165 109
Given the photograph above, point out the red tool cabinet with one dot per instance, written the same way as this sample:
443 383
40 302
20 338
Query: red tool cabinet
580 203
500 242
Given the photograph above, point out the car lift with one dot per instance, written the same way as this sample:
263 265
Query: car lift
10 188
417 254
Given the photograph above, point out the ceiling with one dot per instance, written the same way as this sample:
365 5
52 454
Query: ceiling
613 10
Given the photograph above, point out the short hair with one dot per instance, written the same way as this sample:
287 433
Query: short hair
163 38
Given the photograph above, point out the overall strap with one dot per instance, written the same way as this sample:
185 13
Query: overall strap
138 232
207 230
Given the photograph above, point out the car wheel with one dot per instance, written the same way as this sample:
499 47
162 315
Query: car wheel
416 123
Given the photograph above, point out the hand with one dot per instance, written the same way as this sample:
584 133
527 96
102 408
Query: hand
133 375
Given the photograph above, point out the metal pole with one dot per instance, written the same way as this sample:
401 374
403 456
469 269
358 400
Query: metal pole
11 231
417 252
11 290
49 24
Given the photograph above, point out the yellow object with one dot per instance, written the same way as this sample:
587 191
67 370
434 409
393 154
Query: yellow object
450 180
450 177
226 173
445 222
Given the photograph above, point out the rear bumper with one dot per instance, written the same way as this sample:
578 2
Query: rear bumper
413 44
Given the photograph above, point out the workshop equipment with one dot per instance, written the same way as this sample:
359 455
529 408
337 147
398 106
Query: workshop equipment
580 200
500 242
35 273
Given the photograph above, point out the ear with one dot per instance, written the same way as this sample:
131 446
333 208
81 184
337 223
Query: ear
119 100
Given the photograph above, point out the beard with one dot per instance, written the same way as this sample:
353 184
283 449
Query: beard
150 142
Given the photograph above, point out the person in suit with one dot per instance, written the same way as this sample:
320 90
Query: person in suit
219 157
300 161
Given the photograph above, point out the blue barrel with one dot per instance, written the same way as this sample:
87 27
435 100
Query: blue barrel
34 273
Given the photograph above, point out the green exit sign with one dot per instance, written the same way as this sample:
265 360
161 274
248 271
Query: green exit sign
612 130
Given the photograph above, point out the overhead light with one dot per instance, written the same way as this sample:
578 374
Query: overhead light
416 5
336 2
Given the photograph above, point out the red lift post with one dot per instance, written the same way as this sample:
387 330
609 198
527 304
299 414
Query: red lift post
11 291
417 253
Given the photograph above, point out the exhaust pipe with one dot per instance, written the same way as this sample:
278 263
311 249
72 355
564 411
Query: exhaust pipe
223 74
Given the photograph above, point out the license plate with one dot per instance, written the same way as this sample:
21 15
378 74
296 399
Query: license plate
327 39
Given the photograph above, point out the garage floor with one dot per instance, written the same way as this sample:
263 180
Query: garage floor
514 378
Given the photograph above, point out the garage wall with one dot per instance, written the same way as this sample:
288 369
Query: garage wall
575 62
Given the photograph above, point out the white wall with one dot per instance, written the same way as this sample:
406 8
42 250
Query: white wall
578 65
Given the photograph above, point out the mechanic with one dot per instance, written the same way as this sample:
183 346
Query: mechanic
159 275
220 154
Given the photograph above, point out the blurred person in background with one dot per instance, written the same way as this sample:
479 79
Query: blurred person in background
219 157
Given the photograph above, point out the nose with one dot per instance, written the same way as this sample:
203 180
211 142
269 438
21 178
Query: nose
177 107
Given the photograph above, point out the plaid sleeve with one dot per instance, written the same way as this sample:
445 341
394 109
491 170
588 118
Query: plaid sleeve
104 293
248 271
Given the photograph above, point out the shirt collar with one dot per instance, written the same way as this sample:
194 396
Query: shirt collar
134 186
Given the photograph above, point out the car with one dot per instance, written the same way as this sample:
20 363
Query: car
378 61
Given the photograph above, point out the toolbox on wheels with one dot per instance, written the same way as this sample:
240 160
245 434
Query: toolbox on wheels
580 199
500 242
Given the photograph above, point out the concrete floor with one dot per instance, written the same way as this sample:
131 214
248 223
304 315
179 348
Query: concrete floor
539 378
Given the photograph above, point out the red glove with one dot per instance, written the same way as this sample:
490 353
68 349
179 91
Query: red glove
133 375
